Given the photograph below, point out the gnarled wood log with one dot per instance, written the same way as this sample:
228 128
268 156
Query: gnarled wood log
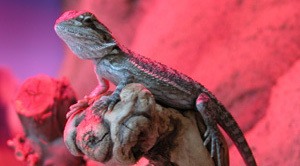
138 127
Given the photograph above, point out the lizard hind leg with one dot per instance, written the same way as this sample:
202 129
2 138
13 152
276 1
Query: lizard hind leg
206 106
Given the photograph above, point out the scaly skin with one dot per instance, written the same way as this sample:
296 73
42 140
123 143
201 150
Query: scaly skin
90 39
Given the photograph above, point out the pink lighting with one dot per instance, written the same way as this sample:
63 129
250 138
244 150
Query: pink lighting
246 52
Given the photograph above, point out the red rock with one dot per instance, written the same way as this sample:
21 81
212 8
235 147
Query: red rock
275 139
237 50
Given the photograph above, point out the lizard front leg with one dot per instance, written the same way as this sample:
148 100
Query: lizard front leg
110 101
207 107
103 86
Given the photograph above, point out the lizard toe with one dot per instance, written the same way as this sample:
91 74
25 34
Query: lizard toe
100 104
212 136
104 104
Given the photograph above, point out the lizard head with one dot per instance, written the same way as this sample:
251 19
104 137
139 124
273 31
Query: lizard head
84 34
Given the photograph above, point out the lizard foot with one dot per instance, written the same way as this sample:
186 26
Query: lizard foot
79 106
207 108
105 104
212 135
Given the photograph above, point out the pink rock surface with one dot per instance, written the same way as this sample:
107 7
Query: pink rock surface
237 50
275 138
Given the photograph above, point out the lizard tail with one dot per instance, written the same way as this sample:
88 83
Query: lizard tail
227 122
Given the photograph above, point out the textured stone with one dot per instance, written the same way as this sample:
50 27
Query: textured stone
275 139
237 49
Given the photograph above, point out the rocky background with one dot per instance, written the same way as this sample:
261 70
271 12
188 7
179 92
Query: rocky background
246 52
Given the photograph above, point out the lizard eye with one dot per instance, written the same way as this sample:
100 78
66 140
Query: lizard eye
87 20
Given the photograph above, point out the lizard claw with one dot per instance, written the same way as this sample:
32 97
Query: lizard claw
104 104
100 104
212 135
79 106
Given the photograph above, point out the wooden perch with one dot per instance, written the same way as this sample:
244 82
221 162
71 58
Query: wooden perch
42 104
138 127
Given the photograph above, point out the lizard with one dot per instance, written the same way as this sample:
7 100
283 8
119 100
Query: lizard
90 39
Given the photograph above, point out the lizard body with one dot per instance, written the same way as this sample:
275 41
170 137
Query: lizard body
90 39
159 81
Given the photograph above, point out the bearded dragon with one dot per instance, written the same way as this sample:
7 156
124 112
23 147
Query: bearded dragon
89 39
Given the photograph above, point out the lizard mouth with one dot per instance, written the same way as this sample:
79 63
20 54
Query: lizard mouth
69 15
85 44
64 29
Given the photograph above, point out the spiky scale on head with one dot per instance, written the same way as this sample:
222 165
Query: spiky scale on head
84 34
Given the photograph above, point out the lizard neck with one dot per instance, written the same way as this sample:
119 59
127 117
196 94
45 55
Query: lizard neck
116 50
